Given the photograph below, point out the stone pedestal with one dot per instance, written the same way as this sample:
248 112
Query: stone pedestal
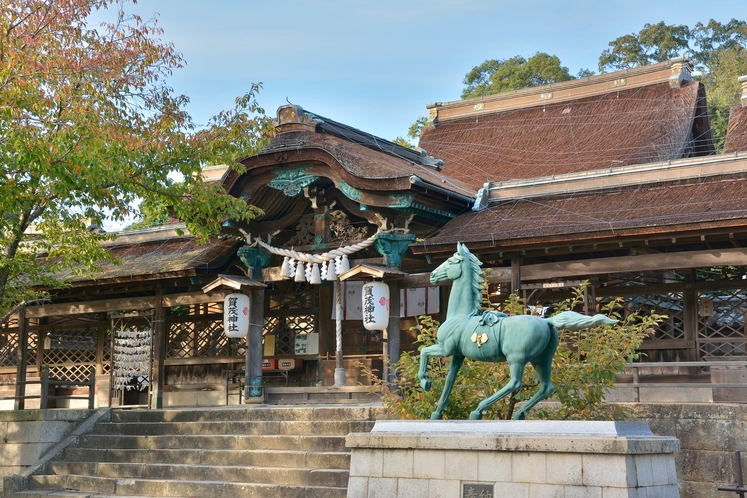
520 459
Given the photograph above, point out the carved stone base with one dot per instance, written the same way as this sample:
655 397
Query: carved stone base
521 459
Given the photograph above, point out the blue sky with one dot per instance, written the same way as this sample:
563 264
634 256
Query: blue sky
375 64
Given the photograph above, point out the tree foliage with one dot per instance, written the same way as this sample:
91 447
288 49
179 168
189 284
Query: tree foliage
719 52
654 43
89 126
585 366
496 76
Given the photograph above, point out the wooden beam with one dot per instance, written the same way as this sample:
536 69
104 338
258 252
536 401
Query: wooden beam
667 344
640 263
129 303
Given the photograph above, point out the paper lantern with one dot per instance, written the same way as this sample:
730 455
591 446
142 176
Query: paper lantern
236 315
375 306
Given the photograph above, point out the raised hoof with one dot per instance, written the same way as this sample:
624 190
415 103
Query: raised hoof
436 416
426 384
519 416
475 415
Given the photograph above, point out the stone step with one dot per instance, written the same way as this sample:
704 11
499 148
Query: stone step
167 487
272 458
300 427
216 442
247 451
46 493
244 413
264 474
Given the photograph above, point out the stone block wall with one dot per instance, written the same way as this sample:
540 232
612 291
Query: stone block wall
517 459
26 435
709 434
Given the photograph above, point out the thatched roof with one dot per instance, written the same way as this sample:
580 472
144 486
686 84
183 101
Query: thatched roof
616 128
164 255
711 202
736 134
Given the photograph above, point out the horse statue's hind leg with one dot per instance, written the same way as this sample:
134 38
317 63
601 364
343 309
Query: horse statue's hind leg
542 364
546 388
516 366
543 367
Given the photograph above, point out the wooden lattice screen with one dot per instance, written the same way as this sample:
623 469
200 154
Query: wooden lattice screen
199 334
721 323
71 352
8 346
670 304
291 309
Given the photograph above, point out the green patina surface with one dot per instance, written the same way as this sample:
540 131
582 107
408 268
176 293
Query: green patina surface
292 181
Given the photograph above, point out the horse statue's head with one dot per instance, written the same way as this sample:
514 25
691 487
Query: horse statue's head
463 266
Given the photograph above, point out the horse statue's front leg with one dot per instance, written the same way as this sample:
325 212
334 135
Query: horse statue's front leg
435 350
454 366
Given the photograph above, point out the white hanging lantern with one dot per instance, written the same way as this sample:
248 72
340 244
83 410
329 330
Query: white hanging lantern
236 315
375 306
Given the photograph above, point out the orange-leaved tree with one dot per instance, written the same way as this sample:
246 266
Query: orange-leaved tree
89 126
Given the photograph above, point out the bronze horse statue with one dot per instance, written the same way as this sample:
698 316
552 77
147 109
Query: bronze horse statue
468 332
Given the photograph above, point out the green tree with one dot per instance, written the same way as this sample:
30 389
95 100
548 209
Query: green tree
497 76
720 57
654 43
89 126
718 50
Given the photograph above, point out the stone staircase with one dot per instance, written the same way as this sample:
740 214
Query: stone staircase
247 451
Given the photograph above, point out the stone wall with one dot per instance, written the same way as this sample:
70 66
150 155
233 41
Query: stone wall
520 459
709 434
26 435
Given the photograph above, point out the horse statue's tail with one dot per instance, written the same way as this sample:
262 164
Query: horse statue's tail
570 320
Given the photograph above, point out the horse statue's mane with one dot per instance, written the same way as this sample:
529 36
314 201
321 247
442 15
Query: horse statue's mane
477 279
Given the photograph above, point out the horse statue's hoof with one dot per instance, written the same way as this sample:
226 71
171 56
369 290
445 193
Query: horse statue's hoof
475 415
519 416
426 384
437 416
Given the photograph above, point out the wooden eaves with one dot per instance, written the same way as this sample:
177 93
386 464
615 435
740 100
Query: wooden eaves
235 282
367 271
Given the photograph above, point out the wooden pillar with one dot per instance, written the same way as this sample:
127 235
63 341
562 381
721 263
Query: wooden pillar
23 347
393 330
516 276
590 300
159 353
325 323
104 324
690 316
254 350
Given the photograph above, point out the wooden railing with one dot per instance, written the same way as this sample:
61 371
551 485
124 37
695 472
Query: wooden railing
637 384
46 382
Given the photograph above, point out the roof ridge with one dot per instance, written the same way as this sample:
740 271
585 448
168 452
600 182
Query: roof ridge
675 71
